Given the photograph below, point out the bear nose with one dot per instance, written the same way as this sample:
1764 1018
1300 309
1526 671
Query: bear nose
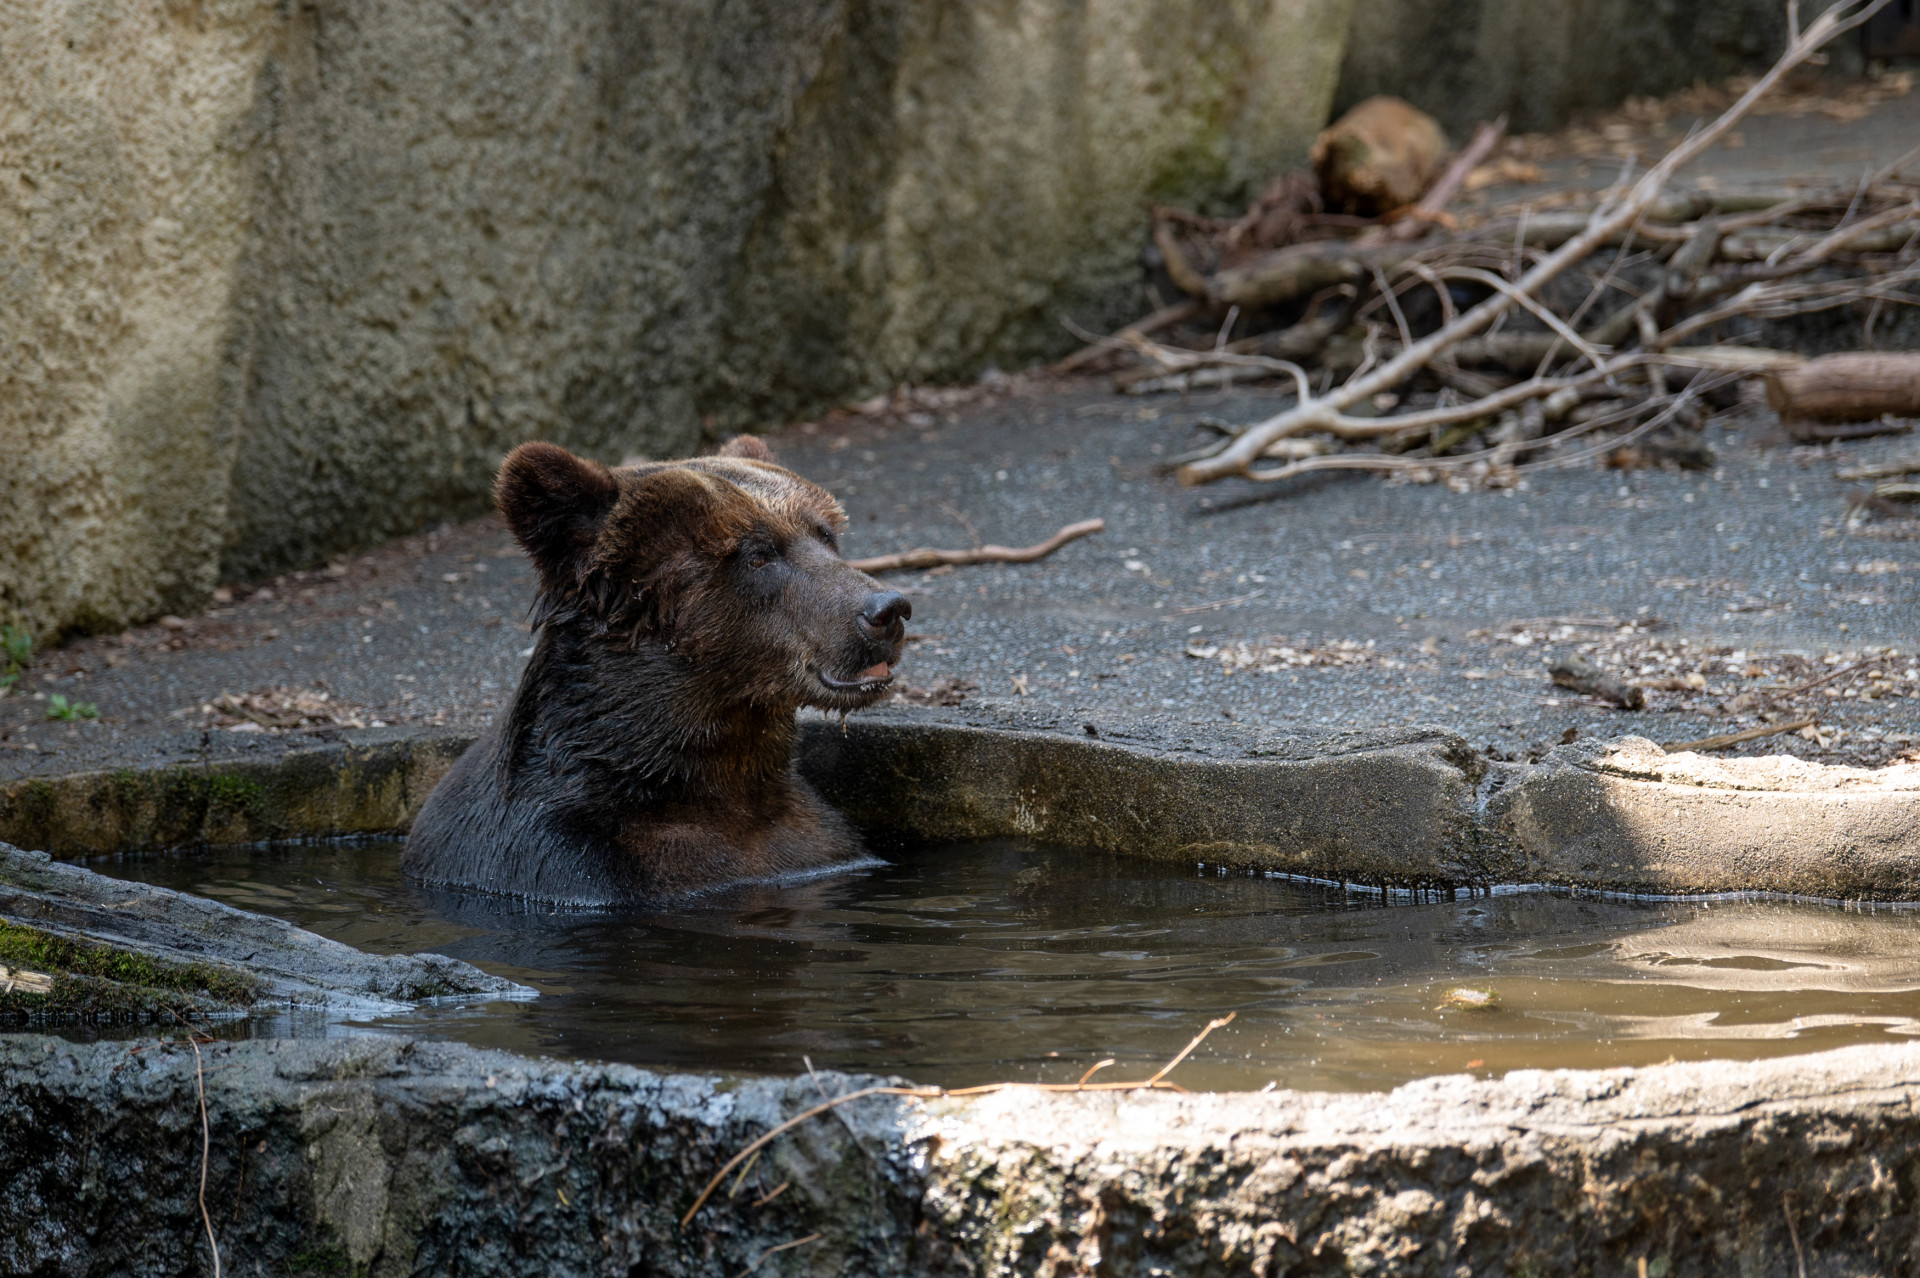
884 609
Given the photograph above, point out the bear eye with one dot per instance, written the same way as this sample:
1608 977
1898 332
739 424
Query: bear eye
758 559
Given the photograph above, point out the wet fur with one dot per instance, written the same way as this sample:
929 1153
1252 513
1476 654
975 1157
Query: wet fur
686 611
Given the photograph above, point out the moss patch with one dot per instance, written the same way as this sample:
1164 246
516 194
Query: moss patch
103 982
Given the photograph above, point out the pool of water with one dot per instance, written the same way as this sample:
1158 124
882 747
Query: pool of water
980 962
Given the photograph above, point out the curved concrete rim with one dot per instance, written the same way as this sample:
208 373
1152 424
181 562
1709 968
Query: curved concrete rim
400 1155
1412 808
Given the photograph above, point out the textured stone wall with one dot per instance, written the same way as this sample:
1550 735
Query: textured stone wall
125 198
1541 61
282 280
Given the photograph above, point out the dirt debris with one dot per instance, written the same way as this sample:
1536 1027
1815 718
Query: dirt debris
284 709
1271 656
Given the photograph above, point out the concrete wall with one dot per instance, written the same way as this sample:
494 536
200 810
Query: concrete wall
125 209
1541 61
276 281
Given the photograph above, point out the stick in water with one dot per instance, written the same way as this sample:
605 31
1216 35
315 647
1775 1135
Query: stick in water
925 557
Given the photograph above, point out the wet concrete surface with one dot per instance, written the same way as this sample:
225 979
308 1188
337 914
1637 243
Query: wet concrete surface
1407 604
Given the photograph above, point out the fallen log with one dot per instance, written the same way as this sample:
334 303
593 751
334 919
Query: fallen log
1847 388
1301 270
926 557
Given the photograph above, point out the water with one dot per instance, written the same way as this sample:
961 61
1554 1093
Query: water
976 963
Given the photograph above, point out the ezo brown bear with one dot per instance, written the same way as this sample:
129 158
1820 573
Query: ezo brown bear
686 611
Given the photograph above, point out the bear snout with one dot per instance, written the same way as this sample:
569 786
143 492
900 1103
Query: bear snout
885 615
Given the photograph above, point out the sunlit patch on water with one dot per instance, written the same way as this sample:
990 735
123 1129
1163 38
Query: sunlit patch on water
974 963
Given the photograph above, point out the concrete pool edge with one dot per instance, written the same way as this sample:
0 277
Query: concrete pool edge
1408 807
387 1155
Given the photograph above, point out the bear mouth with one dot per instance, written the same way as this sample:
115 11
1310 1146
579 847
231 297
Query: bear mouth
872 679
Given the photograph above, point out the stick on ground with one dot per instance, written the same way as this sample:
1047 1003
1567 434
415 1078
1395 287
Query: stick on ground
1735 738
926 557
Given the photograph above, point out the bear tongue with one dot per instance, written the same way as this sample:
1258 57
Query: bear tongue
880 671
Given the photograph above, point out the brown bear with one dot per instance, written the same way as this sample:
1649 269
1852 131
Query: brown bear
686 611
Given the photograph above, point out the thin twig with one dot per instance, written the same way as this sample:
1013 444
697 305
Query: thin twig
1188 1049
1793 1233
1735 738
798 1242
1157 1083
206 1144
1545 316
1093 1069
845 1122
1841 673
1165 317
964 521
925 557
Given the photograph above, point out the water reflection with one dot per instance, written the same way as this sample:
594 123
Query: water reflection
972 963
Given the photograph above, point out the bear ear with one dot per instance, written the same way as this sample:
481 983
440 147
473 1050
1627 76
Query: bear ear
751 447
554 503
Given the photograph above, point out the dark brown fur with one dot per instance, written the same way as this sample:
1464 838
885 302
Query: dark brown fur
686 611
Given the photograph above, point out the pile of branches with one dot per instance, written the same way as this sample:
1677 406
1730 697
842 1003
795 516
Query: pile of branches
1419 345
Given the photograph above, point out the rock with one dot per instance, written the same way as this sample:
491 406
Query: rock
1378 157
110 949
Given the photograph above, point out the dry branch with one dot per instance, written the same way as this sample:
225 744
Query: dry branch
1848 388
1165 317
1883 470
925 557
1613 219
1735 738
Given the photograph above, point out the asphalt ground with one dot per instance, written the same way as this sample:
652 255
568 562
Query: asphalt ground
1369 604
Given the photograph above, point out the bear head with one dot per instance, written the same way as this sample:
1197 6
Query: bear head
730 563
